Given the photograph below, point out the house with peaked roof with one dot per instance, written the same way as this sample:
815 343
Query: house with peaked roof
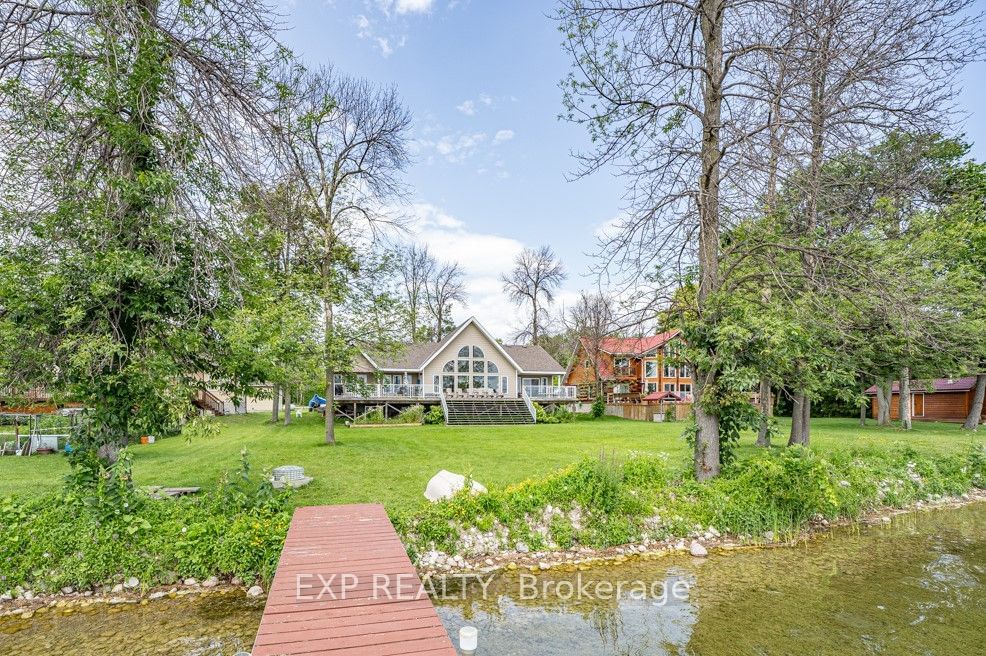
631 369
942 399
469 362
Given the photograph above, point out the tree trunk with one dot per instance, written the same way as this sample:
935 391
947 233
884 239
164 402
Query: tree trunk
275 413
287 406
806 421
767 411
904 399
883 398
976 410
706 443
329 321
707 423
330 428
862 412
797 418
534 321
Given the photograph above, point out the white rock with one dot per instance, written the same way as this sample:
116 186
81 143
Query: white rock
445 484
131 583
522 547
237 581
6 596
190 581
68 590
698 550
210 582
29 595
157 595
117 589
255 591
769 536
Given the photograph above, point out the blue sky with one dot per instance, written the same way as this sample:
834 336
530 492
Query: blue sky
491 158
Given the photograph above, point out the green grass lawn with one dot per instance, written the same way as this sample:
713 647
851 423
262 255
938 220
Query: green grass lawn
392 465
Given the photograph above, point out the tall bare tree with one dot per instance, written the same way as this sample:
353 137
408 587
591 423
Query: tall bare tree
591 320
445 286
665 89
536 276
347 143
416 267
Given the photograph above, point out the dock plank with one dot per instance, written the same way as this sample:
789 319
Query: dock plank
344 586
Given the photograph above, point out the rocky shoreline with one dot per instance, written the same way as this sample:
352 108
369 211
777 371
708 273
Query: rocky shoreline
24 603
698 545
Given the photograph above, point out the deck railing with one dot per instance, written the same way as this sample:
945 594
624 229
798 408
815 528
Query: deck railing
400 391
552 392
529 404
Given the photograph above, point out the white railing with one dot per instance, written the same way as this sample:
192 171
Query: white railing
554 392
529 404
441 396
399 391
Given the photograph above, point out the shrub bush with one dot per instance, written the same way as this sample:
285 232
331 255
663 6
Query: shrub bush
70 539
598 410
645 497
412 415
435 415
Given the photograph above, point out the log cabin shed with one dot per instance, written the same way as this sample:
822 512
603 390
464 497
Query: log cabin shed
942 399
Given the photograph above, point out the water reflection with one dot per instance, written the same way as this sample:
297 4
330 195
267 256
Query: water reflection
583 612
213 625
914 587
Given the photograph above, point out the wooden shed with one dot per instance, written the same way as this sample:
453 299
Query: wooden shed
943 399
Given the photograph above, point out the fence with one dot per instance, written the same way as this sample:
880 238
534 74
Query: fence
646 411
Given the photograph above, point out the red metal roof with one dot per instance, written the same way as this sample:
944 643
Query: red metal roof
635 345
660 396
963 384
631 346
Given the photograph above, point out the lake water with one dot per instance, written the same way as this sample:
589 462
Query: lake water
916 586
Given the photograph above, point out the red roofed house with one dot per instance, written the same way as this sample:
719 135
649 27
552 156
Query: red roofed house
948 400
631 369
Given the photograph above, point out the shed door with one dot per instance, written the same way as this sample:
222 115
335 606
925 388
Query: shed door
917 405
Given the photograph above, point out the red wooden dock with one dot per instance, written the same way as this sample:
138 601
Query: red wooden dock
344 587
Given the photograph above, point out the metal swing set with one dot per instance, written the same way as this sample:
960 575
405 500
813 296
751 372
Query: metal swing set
25 434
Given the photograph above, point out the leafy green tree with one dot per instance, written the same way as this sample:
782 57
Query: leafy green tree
122 123
346 144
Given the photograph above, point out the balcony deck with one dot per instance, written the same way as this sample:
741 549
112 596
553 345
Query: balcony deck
398 394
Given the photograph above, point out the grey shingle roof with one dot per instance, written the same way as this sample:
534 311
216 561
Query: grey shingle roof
411 356
534 359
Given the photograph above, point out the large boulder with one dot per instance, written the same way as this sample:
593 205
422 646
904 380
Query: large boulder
445 484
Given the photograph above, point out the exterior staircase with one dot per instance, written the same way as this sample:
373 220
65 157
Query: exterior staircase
206 400
488 412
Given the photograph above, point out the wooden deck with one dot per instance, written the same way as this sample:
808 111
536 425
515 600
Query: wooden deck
344 587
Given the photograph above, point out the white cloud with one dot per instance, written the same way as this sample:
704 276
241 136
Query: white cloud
470 106
365 29
457 147
610 227
503 135
483 256
413 6
454 148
